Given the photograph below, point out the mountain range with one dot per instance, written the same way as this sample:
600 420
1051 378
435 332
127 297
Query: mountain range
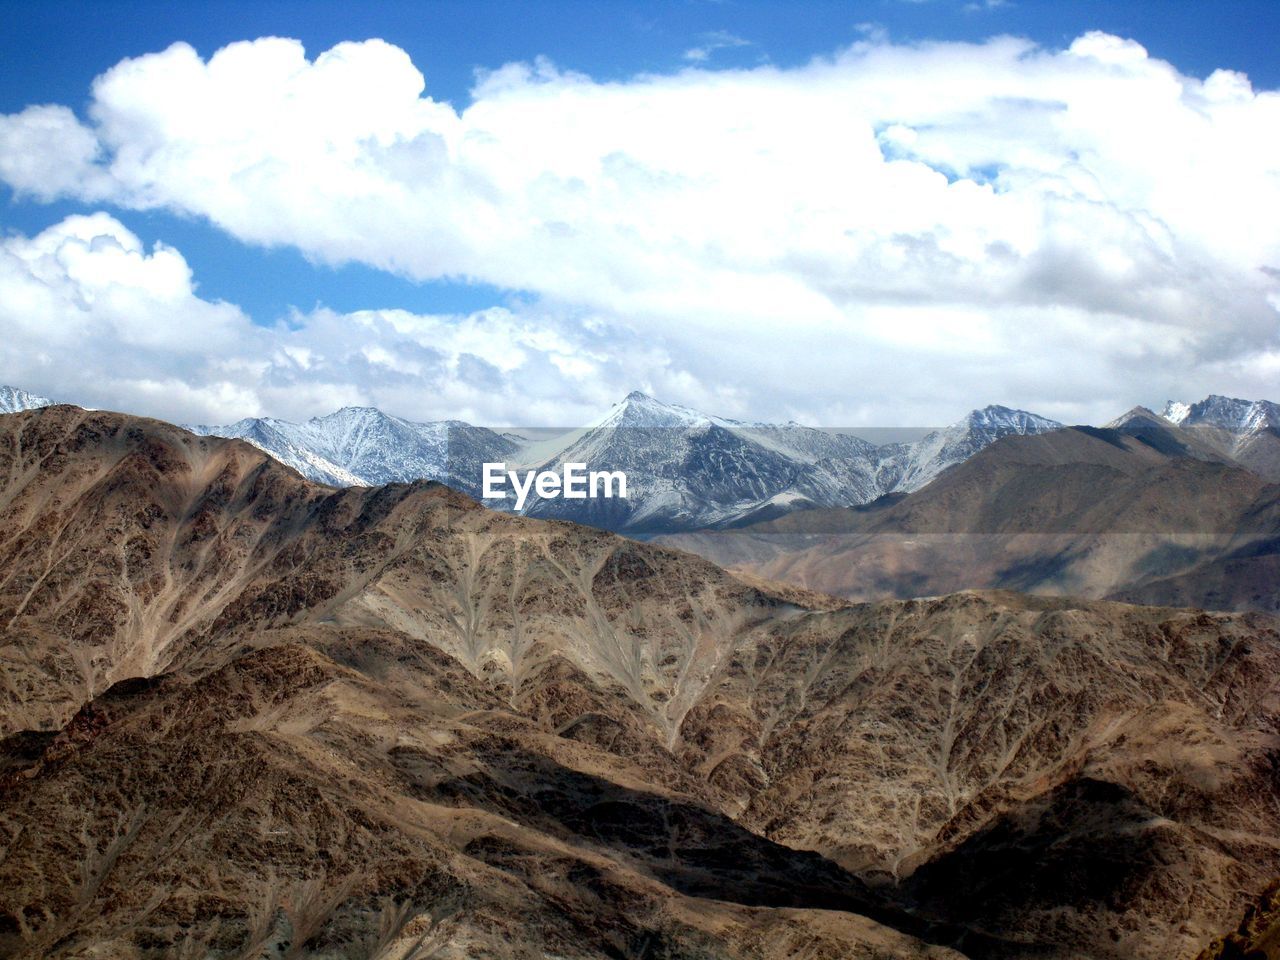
247 715
687 470
1141 510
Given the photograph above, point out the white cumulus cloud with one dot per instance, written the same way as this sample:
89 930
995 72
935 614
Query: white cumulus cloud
890 233
93 317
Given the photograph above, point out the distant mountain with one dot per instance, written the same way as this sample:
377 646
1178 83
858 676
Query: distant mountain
362 446
905 467
1248 431
1140 510
13 400
281 440
692 471
1238 417
1077 480
686 470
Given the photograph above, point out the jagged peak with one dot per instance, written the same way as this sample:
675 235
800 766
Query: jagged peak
15 400
638 409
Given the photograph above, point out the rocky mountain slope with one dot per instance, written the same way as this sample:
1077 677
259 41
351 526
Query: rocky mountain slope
1139 510
246 715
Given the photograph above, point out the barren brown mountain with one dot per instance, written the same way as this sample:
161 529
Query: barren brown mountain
249 716
1140 511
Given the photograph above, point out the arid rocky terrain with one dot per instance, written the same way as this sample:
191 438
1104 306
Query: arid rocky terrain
245 715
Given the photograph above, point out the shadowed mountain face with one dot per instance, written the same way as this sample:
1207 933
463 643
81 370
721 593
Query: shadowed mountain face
248 716
1139 510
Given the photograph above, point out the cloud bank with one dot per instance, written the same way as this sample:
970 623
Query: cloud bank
86 305
890 234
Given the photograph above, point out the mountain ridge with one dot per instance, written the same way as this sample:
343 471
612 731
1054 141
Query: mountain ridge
691 471
687 469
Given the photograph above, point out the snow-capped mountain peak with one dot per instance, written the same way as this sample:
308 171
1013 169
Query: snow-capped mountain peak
363 446
1005 420
639 410
284 441
1248 431
904 467
13 400
1228 413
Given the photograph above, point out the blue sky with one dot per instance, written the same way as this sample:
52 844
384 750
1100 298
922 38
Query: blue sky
51 53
